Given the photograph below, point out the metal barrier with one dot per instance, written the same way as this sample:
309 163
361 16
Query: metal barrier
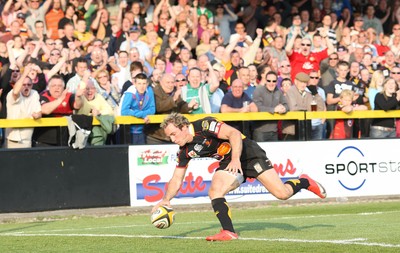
126 120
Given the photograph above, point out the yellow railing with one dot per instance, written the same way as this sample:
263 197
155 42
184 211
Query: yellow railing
126 120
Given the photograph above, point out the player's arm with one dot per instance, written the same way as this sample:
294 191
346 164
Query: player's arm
235 139
174 184
173 187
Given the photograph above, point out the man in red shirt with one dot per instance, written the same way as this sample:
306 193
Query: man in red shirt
305 60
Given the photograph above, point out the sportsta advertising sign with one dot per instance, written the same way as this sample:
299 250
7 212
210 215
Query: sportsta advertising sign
345 168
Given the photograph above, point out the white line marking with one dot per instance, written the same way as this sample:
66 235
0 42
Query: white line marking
355 241
213 221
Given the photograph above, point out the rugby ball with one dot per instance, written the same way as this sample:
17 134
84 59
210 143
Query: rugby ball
163 217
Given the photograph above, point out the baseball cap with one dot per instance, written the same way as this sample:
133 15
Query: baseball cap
21 15
302 77
134 28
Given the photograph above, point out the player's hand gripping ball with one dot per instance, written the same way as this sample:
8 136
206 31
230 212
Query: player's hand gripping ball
163 217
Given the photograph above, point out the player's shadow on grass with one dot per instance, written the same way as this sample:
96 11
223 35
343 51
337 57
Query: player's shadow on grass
215 227
256 226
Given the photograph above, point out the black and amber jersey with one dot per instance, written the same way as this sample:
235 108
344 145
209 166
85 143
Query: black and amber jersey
205 142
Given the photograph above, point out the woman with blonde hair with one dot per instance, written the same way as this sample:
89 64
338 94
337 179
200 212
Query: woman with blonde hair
375 86
108 90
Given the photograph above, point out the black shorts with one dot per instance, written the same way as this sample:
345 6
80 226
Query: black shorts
253 159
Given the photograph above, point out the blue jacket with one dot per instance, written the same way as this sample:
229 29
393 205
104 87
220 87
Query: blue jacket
131 106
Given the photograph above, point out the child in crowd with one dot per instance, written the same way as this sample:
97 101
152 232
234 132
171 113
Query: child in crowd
138 101
343 128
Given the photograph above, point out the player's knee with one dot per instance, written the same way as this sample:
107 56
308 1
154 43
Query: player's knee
215 193
211 193
281 194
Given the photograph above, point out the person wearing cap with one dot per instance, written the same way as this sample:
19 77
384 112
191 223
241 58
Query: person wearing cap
21 17
343 53
299 99
10 11
133 41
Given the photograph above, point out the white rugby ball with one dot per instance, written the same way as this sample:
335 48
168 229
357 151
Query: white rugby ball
163 217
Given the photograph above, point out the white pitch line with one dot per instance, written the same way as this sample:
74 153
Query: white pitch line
355 241
213 221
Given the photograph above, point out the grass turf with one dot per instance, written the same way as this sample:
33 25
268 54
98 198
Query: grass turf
323 227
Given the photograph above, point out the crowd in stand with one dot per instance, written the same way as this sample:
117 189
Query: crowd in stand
96 58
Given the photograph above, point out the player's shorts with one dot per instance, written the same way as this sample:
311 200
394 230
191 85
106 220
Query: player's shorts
253 159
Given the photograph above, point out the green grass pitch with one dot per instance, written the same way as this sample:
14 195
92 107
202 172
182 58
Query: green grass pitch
312 227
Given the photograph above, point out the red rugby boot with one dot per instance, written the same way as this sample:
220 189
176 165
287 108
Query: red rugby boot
315 187
224 235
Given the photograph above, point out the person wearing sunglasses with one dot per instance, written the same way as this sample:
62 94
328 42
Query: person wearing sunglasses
268 98
317 125
329 72
306 60
22 103
299 99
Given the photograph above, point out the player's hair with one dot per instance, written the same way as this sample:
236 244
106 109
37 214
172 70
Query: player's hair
176 119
